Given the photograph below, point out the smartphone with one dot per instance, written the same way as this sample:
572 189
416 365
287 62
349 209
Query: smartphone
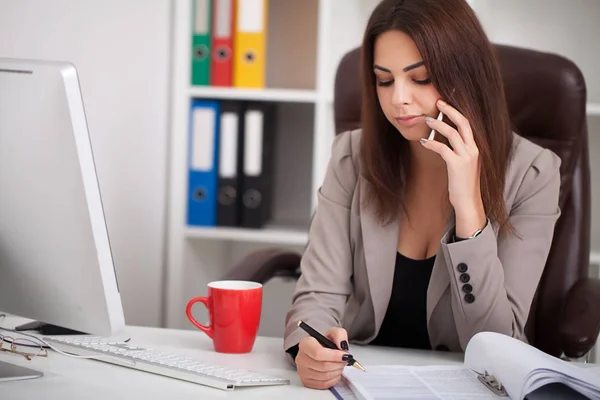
432 134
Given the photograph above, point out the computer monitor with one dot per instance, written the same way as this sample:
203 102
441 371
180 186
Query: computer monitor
56 265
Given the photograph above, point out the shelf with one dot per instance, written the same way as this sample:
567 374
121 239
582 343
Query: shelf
593 109
280 95
273 235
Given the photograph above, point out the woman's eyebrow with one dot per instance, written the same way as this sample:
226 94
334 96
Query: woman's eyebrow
405 69
375 66
413 66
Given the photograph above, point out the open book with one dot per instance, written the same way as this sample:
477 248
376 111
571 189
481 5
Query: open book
494 365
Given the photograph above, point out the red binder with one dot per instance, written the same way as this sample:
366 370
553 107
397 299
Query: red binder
222 42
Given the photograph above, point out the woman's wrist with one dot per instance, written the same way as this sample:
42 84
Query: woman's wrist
469 221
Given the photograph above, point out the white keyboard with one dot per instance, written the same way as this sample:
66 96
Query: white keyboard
162 363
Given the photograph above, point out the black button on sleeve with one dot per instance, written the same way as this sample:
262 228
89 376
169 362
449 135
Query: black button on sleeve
464 278
469 298
462 268
467 288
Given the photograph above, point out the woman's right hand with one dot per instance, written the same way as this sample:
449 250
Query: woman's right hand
318 366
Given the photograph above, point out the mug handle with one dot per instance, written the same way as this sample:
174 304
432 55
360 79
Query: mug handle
188 310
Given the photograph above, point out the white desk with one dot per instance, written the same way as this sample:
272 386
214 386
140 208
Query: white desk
68 378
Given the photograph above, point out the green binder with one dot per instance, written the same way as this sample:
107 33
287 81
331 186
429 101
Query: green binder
201 27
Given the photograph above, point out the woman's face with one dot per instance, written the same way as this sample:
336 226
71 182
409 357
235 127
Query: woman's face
406 94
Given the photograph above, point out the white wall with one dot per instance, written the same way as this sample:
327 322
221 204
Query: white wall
121 50
569 28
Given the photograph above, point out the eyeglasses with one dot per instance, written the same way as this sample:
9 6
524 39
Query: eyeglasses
22 346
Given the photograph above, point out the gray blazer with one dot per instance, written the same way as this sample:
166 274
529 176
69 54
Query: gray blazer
348 264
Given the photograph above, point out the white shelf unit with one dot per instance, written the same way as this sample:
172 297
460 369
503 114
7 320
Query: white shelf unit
305 41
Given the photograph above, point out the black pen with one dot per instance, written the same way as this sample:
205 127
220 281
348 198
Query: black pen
327 343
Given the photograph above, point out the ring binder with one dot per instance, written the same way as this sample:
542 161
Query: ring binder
492 383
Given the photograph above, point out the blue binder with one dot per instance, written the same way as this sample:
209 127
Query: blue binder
203 153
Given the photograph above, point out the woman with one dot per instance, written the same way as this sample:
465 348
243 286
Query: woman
420 242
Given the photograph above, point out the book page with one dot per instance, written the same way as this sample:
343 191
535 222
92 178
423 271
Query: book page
416 382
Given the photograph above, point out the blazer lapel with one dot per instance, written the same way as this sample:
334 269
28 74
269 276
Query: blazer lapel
440 279
380 246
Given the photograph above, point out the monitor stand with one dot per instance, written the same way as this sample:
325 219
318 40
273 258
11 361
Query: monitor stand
12 372
47 329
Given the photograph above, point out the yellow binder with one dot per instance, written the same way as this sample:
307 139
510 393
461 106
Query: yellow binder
249 63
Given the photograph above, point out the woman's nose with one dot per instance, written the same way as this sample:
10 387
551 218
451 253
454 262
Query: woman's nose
401 94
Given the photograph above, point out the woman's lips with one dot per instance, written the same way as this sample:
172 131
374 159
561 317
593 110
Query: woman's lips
409 120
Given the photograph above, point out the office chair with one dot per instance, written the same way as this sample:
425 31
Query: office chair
546 95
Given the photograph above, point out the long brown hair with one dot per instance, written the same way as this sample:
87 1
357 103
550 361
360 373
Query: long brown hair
457 55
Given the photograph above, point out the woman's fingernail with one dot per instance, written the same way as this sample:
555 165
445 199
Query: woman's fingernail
344 345
423 140
346 357
441 102
428 119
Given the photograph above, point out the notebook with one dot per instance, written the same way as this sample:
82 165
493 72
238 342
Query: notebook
495 366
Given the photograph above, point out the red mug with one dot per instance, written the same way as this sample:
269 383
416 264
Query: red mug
234 309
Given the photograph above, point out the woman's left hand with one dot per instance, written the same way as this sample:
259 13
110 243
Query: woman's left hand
462 161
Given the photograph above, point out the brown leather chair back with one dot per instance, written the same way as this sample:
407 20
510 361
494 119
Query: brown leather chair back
546 96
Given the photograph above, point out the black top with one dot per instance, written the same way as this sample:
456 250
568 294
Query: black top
405 321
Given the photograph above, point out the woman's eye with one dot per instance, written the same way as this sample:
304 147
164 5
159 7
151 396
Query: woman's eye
423 81
386 83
